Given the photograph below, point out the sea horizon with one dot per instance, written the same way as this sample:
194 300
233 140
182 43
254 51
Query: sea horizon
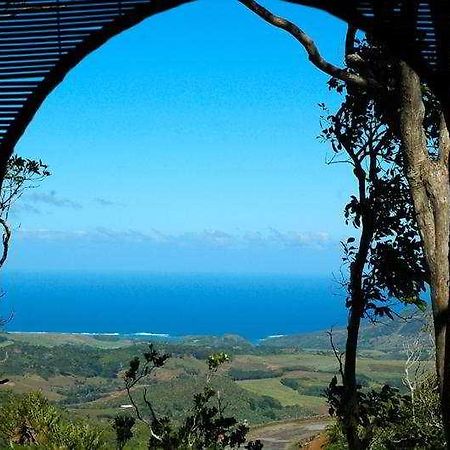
254 306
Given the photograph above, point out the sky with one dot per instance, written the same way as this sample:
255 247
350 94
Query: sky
189 144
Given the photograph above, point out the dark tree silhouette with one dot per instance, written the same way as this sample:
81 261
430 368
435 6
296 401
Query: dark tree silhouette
21 174
123 426
205 425
419 120
386 263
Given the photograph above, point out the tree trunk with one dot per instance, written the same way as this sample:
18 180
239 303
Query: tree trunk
445 316
357 306
5 154
430 190
350 419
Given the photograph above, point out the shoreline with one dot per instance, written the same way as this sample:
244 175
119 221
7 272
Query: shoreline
194 338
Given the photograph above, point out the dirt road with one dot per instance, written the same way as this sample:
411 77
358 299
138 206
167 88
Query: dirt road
282 435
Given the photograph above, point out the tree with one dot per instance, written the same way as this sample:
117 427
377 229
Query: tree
422 121
386 262
21 174
205 425
123 426
390 420
416 118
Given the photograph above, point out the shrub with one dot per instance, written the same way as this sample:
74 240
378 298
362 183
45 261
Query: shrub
420 424
205 426
292 383
30 419
390 421
252 374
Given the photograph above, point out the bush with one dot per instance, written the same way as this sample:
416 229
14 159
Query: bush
205 426
420 424
266 403
390 421
252 374
30 419
303 389
292 383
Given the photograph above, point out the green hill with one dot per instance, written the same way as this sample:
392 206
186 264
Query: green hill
386 337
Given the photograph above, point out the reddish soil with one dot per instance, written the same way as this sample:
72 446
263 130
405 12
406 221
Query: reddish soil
317 443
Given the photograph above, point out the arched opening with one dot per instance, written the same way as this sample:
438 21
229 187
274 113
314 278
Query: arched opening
178 162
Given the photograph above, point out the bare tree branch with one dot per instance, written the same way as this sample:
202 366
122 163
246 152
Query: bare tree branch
6 238
339 355
5 380
133 403
350 40
311 48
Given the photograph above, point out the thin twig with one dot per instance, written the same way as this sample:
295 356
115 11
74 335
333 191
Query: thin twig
5 240
339 355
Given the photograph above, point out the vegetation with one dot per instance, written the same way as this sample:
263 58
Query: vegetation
237 373
84 388
415 119
123 425
398 148
386 263
21 174
30 420
204 426
395 421
379 340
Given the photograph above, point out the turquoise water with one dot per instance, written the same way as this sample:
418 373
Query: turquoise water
251 306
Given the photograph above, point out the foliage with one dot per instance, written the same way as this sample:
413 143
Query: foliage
303 387
383 341
389 420
335 437
21 174
359 135
292 383
376 409
83 373
238 373
30 419
204 426
61 360
86 392
420 422
387 262
123 427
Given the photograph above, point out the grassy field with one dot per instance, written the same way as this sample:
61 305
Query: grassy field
83 372
55 339
312 373
317 362
32 383
272 387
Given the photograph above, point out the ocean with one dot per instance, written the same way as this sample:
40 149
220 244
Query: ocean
252 306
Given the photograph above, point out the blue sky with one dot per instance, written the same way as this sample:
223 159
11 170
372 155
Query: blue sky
188 144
